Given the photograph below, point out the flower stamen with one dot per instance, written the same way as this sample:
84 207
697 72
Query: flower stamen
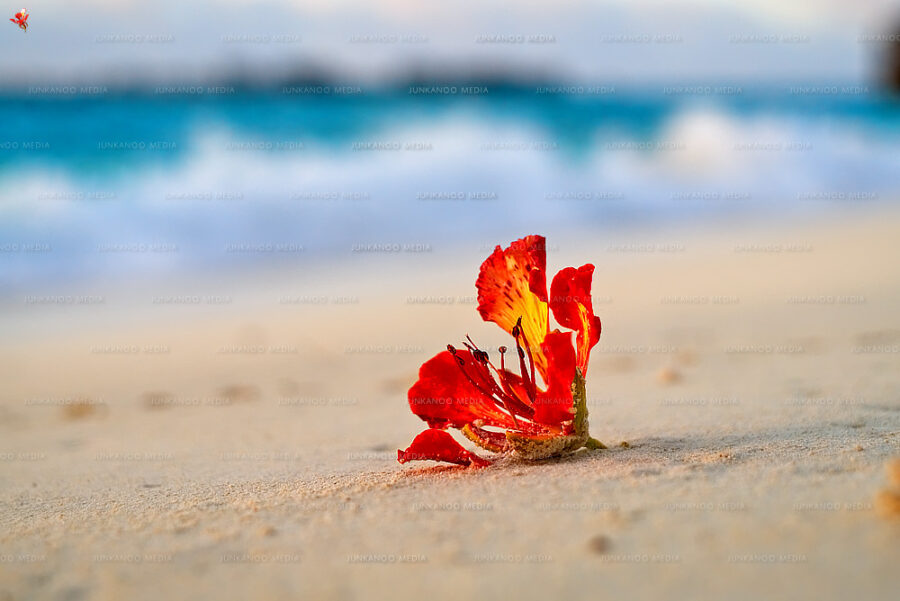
531 385
493 391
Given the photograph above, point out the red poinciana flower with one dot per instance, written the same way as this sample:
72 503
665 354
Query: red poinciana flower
495 408
21 19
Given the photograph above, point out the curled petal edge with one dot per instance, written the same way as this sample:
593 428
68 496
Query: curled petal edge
438 445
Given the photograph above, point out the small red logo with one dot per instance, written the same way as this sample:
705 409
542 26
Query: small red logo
21 19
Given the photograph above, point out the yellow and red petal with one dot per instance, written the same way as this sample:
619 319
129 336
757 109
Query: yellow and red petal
570 300
512 284
444 397
555 405
438 445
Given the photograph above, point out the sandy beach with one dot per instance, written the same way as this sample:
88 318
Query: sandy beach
237 438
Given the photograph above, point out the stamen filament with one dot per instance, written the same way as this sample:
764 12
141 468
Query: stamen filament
495 394
530 383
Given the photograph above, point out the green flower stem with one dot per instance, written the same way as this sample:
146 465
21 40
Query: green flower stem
580 423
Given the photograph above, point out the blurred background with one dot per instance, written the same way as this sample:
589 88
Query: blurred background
166 140
231 232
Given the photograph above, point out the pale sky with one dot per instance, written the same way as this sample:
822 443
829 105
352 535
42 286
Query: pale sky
601 40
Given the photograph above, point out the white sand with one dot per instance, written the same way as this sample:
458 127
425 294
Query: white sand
759 391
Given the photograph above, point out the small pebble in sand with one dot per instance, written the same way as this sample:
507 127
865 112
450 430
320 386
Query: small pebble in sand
599 544
82 408
668 375
887 501
239 393
893 470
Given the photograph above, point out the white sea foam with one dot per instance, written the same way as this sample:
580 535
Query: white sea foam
425 184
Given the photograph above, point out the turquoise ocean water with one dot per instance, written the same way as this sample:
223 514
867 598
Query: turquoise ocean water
99 183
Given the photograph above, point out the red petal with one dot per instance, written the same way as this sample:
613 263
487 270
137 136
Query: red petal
444 397
438 445
512 283
570 300
556 404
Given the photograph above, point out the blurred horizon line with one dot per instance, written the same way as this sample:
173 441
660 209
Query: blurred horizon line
492 77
